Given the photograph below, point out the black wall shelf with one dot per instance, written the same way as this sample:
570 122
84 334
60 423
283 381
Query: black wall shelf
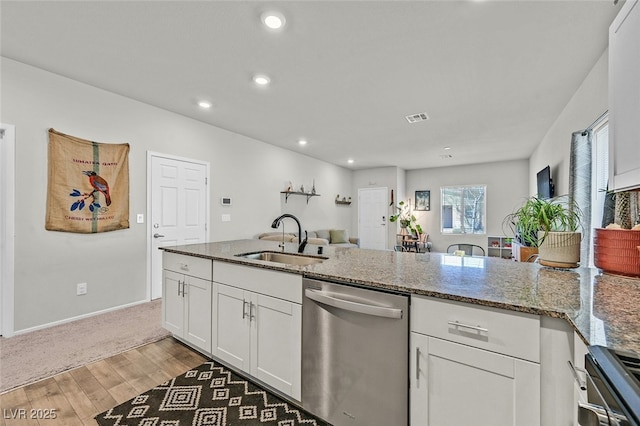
306 194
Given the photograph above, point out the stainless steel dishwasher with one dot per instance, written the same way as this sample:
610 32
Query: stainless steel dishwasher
355 346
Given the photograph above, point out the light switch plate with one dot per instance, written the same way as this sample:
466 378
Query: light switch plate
140 218
226 218
81 288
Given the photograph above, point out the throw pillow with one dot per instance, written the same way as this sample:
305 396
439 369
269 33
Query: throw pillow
339 236
323 233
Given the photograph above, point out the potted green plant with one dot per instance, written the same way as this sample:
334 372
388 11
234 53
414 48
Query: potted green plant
406 219
552 226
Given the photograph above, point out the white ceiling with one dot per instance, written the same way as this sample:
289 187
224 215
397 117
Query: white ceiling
492 75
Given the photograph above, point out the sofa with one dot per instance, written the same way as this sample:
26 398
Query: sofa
332 237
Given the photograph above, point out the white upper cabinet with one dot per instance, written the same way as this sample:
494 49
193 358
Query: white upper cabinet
624 98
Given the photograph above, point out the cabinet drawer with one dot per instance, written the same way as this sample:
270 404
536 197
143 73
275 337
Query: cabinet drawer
259 280
188 265
506 332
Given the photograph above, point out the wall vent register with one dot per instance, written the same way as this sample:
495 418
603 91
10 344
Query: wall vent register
415 118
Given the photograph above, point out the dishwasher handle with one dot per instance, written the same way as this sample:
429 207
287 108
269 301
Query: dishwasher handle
362 308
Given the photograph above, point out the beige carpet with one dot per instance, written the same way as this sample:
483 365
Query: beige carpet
33 356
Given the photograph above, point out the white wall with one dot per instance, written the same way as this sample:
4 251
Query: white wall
49 264
586 105
507 186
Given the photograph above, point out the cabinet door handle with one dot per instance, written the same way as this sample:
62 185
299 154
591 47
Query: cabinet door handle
251 314
244 309
471 327
417 366
574 371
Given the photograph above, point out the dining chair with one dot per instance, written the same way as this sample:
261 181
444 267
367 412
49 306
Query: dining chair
469 249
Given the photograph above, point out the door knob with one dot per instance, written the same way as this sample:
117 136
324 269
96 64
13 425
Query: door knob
156 235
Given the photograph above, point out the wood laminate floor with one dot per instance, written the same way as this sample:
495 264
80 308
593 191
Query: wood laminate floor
76 396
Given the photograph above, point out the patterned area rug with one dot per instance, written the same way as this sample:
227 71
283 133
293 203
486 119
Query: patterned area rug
208 395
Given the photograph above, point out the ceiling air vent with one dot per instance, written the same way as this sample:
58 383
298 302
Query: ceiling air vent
446 156
414 118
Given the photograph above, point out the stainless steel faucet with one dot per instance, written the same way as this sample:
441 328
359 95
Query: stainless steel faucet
301 244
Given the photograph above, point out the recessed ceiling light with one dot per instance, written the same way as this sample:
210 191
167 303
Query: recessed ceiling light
261 79
273 20
302 142
447 148
350 161
204 104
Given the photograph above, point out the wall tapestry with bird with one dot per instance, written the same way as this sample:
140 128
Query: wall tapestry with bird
88 188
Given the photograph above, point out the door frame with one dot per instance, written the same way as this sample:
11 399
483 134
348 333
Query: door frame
7 228
386 232
150 156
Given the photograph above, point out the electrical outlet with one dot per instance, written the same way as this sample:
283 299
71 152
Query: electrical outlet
81 288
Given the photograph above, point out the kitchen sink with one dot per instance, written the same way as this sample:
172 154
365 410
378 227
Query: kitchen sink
286 258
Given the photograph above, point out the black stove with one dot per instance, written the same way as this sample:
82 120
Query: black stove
615 384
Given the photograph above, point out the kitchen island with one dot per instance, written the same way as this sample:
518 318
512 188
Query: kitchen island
604 309
495 336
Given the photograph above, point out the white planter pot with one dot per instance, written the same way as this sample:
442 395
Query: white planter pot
560 249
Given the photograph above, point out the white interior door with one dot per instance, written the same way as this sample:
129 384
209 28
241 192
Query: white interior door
179 208
372 218
7 227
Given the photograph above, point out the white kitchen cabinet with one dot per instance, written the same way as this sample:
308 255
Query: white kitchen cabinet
562 374
454 384
232 326
624 97
186 301
473 365
256 332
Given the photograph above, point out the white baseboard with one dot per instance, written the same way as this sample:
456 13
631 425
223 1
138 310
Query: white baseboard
79 317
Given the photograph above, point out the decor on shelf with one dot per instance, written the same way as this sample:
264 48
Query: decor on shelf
88 186
423 200
552 226
345 201
406 219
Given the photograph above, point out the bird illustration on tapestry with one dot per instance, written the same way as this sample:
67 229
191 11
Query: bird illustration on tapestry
99 185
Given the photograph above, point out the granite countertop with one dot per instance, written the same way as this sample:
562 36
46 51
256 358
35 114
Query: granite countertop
604 309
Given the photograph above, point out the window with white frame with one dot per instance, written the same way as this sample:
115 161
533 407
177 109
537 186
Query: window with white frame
463 209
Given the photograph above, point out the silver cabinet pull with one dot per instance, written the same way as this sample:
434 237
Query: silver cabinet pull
579 381
417 366
244 310
471 327
362 308
251 314
156 235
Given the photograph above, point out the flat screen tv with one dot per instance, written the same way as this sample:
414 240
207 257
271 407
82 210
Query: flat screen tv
545 184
